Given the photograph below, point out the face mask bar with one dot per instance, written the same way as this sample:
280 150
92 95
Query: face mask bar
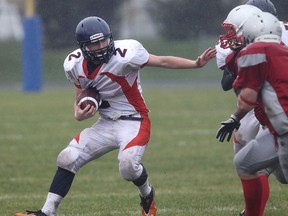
101 55
229 39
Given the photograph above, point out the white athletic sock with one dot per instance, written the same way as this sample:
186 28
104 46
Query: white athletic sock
145 189
51 205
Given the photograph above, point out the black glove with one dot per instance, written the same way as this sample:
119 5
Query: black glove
227 127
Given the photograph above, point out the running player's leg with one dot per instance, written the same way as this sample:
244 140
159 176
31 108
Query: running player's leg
88 145
133 139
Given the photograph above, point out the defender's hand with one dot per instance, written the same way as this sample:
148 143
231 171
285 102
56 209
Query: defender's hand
205 57
227 128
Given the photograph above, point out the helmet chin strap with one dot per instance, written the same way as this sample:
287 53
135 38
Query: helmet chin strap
268 38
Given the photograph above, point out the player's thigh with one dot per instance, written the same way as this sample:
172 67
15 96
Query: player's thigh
132 138
98 139
248 129
258 154
89 144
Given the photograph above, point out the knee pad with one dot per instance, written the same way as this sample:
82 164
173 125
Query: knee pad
245 161
67 159
129 170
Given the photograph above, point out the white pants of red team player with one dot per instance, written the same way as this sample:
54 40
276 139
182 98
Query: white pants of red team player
255 150
247 131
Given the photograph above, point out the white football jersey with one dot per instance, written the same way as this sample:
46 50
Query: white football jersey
221 56
118 81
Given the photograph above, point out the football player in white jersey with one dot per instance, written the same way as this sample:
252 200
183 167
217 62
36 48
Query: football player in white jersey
112 68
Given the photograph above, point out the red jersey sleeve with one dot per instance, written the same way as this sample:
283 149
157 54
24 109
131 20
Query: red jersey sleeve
249 77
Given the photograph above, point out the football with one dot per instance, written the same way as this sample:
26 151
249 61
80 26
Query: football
89 96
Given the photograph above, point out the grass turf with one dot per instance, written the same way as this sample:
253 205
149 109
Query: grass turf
192 173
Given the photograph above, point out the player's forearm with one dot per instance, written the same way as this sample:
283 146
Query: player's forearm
183 63
243 108
174 62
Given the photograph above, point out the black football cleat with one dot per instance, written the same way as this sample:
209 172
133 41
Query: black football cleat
148 204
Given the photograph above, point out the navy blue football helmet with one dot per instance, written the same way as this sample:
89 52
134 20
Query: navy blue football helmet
93 30
264 5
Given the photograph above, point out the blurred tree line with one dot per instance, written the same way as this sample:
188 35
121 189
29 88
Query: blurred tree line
60 18
181 19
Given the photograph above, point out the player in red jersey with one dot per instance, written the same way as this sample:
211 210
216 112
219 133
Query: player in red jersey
112 67
227 51
262 79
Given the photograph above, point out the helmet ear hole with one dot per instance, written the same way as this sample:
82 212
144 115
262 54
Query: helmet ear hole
93 30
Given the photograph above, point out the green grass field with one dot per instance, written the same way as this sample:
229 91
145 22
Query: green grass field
192 173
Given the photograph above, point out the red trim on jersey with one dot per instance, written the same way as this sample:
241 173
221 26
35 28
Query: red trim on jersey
143 135
252 103
77 86
85 69
235 140
131 92
77 137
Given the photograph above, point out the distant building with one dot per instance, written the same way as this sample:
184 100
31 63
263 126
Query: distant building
10 21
